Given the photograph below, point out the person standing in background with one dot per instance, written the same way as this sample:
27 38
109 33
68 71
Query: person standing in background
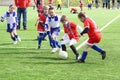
118 5
22 6
96 3
81 5
113 4
59 2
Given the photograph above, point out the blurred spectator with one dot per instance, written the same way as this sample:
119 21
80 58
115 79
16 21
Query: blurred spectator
118 4
81 5
59 2
22 6
90 4
96 3
104 2
113 4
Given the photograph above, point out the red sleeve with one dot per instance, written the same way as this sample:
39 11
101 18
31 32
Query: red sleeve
16 2
86 24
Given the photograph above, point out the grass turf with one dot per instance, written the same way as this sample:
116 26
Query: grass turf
24 62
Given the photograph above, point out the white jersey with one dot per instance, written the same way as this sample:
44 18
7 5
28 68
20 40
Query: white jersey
11 18
53 22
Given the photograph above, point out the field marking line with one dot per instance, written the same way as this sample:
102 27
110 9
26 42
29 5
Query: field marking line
105 26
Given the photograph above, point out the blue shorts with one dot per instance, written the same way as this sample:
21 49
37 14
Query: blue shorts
11 28
89 5
55 31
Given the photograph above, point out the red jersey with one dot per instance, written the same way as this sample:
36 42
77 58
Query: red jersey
74 9
50 1
22 3
41 24
93 32
71 30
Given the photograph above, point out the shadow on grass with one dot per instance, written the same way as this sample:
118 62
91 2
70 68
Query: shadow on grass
29 39
6 44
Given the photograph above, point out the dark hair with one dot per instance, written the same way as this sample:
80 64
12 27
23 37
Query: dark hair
51 8
81 14
11 5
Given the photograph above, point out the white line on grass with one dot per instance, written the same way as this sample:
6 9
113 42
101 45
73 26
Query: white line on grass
105 26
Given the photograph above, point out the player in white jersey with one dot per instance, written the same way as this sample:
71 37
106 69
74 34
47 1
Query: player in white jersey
53 21
11 19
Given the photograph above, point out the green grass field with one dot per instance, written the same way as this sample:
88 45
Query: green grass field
24 62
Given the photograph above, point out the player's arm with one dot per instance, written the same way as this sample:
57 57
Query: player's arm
47 26
3 17
79 28
37 21
84 31
64 37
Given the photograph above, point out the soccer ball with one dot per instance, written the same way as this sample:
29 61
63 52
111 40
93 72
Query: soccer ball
63 55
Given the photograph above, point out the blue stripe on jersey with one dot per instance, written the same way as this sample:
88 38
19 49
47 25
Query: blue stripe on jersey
7 14
55 18
14 14
8 26
13 25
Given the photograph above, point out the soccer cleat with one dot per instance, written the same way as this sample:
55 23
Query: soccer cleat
19 39
81 61
103 53
54 50
38 47
25 29
78 57
15 42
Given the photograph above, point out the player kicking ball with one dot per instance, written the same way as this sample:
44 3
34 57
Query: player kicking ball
90 28
71 36
53 22
11 18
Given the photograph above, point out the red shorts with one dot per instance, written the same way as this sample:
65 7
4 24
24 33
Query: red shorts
95 39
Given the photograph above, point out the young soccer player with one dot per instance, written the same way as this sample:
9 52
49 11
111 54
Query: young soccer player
70 29
81 5
90 28
59 4
89 4
74 10
11 18
53 21
42 29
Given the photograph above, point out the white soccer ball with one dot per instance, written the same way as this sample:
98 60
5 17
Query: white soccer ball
63 55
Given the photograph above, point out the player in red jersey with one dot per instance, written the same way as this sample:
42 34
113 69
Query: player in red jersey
74 10
50 3
81 5
91 28
41 28
71 36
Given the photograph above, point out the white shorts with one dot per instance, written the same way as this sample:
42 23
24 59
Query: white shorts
68 41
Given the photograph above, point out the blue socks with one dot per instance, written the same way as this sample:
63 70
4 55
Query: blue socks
56 43
40 39
13 38
98 49
84 55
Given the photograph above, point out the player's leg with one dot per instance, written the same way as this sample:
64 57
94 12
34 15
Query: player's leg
25 19
63 44
40 37
50 40
44 36
13 37
84 54
72 43
19 17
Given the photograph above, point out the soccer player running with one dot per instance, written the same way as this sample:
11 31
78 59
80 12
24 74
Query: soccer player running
42 29
90 28
71 35
53 21
12 22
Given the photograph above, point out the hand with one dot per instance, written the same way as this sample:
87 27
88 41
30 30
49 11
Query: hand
61 39
36 24
79 35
